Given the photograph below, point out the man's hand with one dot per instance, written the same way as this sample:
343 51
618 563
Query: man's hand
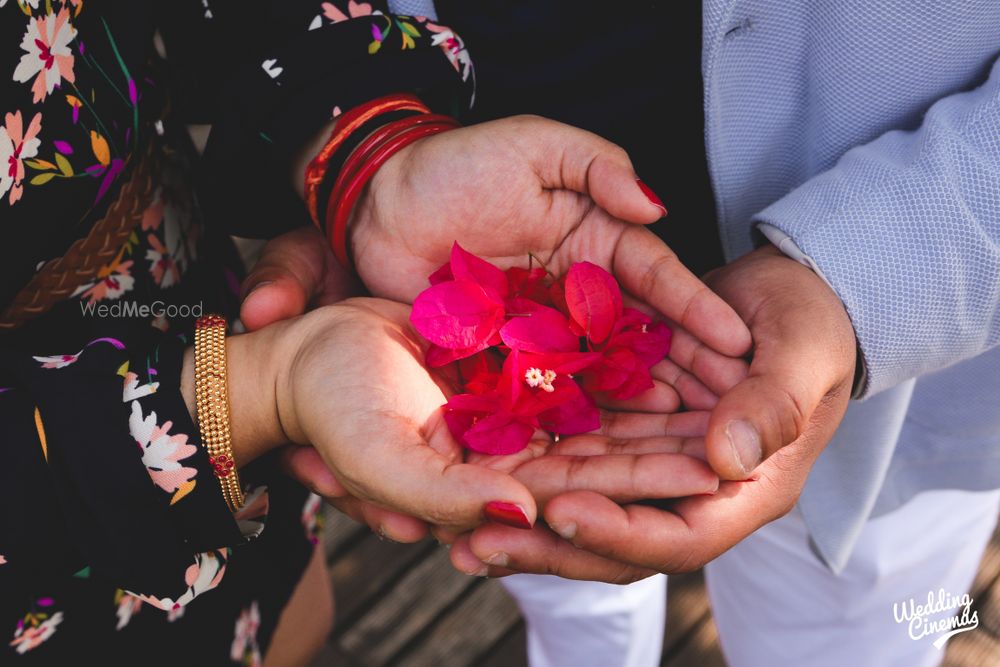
794 397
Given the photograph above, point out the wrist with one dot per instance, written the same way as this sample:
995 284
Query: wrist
251 377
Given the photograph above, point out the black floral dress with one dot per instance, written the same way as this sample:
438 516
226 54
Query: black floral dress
115 541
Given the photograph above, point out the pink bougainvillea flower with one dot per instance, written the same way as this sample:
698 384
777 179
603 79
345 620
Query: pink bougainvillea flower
48 57
458 314
463 310
528 284
526 355
528 396
593 300
539 329
636 345
466 266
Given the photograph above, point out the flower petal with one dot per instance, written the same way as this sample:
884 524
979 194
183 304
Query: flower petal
498 434
466 266
542 330
456 315
577 413
593 299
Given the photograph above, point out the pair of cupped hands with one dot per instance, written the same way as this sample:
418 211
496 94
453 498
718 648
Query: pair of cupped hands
758 375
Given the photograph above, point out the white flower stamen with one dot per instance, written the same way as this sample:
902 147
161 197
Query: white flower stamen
537 378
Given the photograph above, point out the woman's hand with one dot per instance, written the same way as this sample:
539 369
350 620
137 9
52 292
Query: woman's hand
524 185
354 386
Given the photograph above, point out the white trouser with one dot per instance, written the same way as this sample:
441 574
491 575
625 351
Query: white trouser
775 604
591 624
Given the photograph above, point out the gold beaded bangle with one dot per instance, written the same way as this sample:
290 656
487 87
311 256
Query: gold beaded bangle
212 400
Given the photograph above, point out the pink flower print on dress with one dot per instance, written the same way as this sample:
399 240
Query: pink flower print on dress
17 145
48 57
354 10
33 633
245 648
161 452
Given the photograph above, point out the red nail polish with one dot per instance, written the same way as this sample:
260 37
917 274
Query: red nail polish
508 514
651 196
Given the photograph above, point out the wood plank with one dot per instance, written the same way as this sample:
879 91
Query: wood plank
339 530
687 606
972 649
482 617
365 573
413 603
331 656
511 650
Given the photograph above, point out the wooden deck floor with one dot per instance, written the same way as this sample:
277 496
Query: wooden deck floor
403 605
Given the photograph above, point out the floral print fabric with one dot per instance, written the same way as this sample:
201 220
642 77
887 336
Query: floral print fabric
116 537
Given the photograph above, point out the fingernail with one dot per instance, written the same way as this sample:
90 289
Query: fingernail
745 441
257 287
500 559
651 196
567 531
509 514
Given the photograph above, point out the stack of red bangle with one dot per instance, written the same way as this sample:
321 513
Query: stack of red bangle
362 163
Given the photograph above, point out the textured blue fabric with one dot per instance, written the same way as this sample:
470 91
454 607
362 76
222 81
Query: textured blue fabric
869 132
413 8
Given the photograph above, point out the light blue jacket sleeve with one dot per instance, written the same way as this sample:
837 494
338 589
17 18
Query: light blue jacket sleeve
906 229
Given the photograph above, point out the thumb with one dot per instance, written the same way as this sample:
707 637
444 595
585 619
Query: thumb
593 166
414 478
293 270
788 388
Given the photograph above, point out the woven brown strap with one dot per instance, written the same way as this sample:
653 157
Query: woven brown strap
62 276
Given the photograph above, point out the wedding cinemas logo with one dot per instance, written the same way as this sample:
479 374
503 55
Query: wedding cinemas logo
925 620
126 309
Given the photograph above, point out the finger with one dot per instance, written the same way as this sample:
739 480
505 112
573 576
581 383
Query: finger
384 523
650 271
625 425
293 270
593 445
538 551
692 394
621 477
465 561
594 523
590 165
661 397
414 479
306 466
715 371
788 382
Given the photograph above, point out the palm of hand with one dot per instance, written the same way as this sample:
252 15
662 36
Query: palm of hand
369 358
491 196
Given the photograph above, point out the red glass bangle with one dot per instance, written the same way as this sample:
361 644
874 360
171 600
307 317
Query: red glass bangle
346 124
343 198
363 152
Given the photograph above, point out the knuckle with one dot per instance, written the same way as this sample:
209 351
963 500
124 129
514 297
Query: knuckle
657 272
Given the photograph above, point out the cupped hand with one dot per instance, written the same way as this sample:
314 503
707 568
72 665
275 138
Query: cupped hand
353 385
357 390
794 397
523 185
